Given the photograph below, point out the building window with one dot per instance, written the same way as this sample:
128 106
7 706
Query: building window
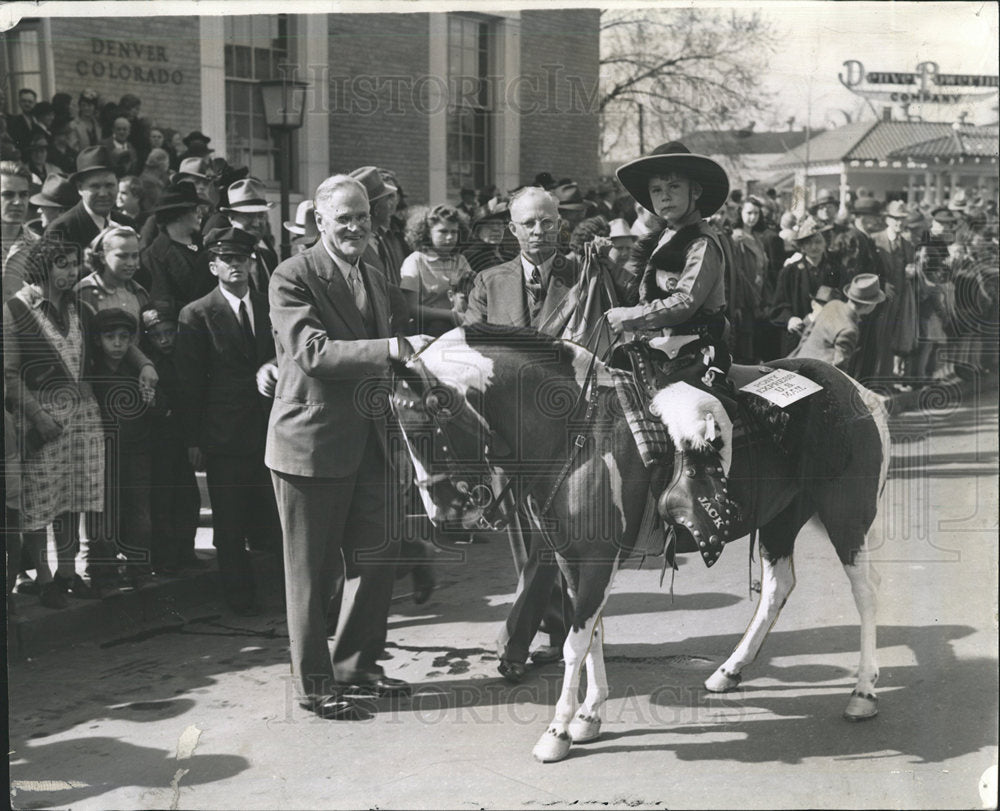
22 61
470 108
256 48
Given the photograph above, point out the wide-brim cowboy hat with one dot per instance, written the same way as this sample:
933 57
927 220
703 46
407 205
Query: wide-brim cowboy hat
675 157
864 289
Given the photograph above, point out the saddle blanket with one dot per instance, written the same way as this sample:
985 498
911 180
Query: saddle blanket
651 437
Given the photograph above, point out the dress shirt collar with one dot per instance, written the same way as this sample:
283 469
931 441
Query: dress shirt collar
527 267
342 264
234 304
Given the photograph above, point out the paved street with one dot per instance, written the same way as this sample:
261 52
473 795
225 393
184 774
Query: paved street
198 712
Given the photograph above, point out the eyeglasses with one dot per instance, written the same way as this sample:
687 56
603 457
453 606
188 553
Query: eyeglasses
529 225
353 219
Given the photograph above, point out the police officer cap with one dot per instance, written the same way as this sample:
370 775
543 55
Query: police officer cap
230 241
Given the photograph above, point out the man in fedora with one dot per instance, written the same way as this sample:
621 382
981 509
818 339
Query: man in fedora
197 171
178 269
798 282
223 339
851 245
332 324
97 186
680 316
833 334
382 253
197 145
303 228
55 198
897 255
247 210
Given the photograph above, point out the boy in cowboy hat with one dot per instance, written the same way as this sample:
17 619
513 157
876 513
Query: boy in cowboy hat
684 326
833 334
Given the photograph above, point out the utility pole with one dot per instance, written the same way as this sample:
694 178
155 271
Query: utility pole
642 135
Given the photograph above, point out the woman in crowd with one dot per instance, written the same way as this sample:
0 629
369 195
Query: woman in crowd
435 278
58 422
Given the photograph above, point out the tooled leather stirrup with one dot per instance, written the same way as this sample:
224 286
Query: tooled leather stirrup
697 502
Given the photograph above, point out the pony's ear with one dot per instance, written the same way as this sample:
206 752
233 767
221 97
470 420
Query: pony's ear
407 374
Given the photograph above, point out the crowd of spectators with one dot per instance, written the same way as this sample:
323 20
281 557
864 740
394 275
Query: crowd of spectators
117 233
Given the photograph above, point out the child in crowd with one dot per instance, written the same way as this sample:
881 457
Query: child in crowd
124 526
175 499
113 258
435 278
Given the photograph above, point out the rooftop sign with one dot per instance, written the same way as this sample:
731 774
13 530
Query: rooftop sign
926 86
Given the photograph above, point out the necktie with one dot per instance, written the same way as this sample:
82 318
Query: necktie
358 289
534 285
247 330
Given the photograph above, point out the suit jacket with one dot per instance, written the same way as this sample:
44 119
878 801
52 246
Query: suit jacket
20 130
832 336
220 409
499 297
327 360
125 162
77 227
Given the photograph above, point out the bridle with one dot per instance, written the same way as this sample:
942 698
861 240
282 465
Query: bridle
476 496
480 496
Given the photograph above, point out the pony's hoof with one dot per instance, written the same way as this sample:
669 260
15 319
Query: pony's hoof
585 728
552 746
861 707
722 682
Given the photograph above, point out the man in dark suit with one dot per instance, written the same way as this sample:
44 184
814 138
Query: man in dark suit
124 157
247 210
96 182
223 339
530 290
331 314
22 126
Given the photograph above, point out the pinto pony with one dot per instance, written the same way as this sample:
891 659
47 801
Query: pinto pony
544 410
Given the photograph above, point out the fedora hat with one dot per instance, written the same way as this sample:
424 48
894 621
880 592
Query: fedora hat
916 220
809 227
959 201
196 136
57 192
822 198
178 196
247 196
675 157
944 215
569 198
304 223
195 167
371 179
92 159
867 206
620 230
897 210
864 289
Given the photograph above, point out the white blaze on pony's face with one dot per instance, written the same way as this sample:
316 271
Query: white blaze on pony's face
452 361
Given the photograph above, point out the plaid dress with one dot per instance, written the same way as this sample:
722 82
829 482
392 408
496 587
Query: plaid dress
67 474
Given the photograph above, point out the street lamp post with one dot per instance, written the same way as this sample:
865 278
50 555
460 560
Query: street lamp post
284 102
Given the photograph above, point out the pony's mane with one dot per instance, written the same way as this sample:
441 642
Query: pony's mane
526 338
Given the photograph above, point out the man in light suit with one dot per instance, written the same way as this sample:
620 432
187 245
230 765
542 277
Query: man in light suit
833 335
223 339
531 290
326 451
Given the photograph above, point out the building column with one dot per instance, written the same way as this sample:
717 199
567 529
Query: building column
313 140
437 105
938 188
506 147
213 81
911 188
